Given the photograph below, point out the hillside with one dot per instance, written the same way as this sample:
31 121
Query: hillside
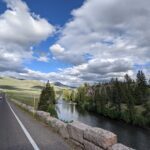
24 90
18 85
14 84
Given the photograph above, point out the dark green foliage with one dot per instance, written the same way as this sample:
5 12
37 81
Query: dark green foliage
129 97
52 110
146 113
101 99
82 97
117 95
141 88
47 97
140 120
118 99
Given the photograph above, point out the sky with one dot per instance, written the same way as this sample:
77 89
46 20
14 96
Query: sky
74 41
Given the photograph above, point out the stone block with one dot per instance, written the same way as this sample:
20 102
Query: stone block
76 130
62 129
76 145
42 115
90 146
100 137
119 146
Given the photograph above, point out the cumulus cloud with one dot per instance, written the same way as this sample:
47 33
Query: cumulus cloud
43 59
73 76
104 39
19 30
52 76
56 49
107 30
59 52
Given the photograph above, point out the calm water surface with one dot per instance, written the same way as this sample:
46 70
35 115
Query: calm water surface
129 135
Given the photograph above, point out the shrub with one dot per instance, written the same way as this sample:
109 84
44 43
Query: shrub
52 110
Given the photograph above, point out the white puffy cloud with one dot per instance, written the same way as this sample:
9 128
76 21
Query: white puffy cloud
107 30
19 25
104 39
74 76
52 76
86 72
43 59
56 48
59 52
19 30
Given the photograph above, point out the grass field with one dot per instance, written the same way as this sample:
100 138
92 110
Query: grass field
23 90
25 98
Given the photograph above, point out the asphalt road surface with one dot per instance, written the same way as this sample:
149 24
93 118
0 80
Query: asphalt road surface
20 131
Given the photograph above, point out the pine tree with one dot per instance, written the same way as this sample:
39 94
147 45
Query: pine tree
117 95
43 102
47 97
141 88
129 97
100 96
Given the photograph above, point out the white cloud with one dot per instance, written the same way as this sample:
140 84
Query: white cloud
43 59
19 25
56 48
73 76
60 53
52 76
107 30
115 34
20 29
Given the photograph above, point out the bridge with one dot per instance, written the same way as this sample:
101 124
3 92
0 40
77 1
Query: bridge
19 130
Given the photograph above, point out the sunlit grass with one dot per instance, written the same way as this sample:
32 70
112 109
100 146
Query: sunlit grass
24 91
26 98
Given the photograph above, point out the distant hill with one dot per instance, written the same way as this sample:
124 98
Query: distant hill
59 84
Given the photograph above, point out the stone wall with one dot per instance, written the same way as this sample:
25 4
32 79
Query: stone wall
82 136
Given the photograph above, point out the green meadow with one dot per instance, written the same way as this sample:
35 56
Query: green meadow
25 91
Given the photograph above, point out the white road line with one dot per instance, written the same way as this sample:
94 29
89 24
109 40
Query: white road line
24 130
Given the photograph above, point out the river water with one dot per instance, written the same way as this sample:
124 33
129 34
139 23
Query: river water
129 135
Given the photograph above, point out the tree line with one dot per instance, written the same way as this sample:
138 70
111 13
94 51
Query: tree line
127 100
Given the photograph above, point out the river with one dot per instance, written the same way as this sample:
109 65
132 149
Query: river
129 135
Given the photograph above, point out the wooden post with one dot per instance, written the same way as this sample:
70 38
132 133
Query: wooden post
34 107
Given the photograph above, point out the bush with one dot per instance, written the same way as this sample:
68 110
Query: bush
140 120
125 116
52 110
111 113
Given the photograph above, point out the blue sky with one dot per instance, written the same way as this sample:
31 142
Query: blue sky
55 11
58 13
74 41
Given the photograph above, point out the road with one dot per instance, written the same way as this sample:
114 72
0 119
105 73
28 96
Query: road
20 131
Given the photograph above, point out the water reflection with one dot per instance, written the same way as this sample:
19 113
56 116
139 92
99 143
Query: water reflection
132 136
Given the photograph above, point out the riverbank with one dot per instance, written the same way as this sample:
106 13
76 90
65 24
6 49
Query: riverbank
130 135
139 120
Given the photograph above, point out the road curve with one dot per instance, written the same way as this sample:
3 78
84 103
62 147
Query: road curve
12 136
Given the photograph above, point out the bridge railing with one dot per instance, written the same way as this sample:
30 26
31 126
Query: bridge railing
82 136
